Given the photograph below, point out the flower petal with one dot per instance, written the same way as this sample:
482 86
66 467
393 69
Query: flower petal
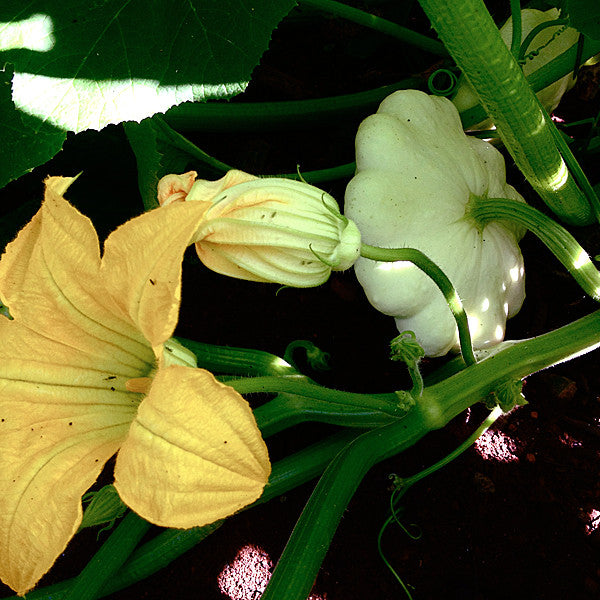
204 190
174 188
142 266
193 454
264 264
50 280
54 441
64 363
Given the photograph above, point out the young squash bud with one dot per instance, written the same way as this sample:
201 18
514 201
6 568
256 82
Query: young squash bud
267 229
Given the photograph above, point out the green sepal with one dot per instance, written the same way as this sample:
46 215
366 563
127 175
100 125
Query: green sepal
5 312
105 506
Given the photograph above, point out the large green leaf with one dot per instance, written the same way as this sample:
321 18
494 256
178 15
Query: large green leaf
82 65
25 141
584 15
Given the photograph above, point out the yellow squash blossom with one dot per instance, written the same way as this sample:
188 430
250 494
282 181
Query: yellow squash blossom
82 376
267 229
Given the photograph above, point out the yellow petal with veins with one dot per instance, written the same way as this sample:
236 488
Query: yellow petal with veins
194 453
64 363
51 453
50 280
59 424
142 266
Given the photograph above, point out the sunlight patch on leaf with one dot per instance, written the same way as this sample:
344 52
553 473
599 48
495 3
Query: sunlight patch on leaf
34 33
80 104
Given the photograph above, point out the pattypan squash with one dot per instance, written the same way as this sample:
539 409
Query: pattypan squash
415 173
545 46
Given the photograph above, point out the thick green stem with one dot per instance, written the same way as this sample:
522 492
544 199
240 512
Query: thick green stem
337 399
382 25
558 240
310 539
266 116
552 71
287 410
109 559
439 278
469 33
308 544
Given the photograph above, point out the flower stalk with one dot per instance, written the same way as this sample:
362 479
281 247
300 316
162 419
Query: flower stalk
555 237
428 267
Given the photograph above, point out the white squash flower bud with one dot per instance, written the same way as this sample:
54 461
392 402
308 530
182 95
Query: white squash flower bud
546 45
266 229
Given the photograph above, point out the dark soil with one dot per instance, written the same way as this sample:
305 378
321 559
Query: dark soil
522 527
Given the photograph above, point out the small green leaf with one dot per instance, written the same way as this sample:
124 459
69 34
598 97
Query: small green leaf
5 312
584 15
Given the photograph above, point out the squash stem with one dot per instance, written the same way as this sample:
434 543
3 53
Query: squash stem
469 33
515 10
109 559
378 24
284 114
422 262
299 564
558 240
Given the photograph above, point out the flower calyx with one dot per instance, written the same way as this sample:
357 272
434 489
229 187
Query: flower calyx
507 396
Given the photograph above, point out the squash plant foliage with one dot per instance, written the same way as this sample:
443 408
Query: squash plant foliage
423 190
